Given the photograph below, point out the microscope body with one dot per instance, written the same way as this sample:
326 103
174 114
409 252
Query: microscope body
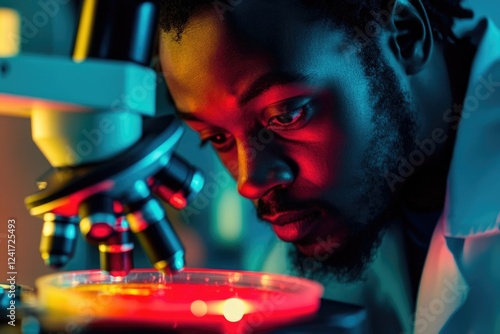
93 117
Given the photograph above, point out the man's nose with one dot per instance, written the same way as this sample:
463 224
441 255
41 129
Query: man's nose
260 171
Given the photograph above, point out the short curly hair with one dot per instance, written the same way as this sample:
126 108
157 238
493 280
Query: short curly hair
175 14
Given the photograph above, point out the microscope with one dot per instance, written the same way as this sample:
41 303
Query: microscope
94 118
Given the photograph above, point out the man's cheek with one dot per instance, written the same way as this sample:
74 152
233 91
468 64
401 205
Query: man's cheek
231 165
318 169
318 147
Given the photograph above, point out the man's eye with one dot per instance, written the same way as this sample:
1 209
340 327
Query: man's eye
286 119
220 141
291 117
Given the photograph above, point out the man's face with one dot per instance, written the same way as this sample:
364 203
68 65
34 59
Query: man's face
308 130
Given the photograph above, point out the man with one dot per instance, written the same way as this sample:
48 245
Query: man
339 120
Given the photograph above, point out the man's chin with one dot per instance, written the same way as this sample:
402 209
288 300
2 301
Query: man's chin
343 259
320 249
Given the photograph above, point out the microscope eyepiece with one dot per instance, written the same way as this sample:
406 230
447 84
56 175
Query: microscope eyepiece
58 241
129 36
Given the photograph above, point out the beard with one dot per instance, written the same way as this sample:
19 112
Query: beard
348 262
395 132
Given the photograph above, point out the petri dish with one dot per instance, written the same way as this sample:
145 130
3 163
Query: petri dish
216 301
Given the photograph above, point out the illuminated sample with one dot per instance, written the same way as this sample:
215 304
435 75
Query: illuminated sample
235 302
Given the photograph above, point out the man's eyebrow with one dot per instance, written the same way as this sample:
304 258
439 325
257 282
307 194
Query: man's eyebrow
267 81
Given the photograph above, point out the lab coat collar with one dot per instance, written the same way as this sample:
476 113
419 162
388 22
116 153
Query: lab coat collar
474 177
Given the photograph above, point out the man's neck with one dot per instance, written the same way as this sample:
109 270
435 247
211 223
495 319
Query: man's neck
425 190
459 58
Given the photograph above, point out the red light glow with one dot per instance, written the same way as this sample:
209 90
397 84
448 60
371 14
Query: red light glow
233 306
101 231
178 201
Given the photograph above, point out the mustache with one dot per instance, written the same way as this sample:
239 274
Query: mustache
280 201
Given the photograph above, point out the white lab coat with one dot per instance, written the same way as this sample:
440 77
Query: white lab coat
460 286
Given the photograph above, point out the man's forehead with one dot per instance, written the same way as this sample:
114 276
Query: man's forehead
201 39
262 21
207 53
232 51
248 28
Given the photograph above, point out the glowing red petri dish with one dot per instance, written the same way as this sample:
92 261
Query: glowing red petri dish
214 300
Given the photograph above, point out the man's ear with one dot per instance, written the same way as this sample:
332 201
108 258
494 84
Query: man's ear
412 40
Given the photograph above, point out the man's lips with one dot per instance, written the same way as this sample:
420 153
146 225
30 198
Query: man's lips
292 226
283 218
